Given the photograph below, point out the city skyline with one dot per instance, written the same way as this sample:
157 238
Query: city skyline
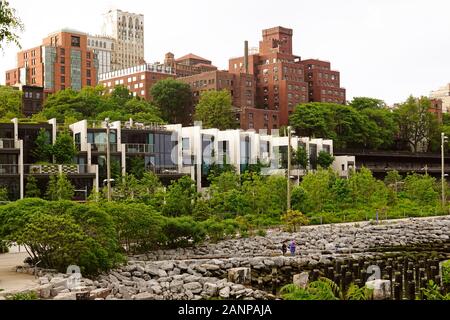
365 70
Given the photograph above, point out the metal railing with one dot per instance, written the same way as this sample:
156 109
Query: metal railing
164 170
139 148
49 169
101 147
9 169
7 143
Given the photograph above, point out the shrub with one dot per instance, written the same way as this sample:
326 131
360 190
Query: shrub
23 296
138 226
182 232
294 218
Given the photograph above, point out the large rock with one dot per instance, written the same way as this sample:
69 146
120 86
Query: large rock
381 289
210 289
167 266
66 296
194 287
225 293
240 275
45 291
176 285
100 293
301 280
210 267
144 296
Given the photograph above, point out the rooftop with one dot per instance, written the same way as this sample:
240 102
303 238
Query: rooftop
191 56
147 67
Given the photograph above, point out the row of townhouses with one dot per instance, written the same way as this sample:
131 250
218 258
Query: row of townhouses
170 151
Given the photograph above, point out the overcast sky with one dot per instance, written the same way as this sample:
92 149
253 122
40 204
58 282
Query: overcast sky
383 48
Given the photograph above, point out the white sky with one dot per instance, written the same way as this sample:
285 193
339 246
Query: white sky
386 49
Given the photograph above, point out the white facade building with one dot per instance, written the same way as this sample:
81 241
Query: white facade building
103 47
443 93
203 147
128 31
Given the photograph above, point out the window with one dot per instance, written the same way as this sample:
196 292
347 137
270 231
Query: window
250 116
63 87
75 41
38 95
142 92
88 55
141 85
63 79
88 82
143 77
88 73
63 69
62 60
62 51
88 64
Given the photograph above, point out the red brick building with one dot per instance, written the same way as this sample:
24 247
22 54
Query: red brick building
138 79
242 89
323 83
436 108
188 65
283 80
62 61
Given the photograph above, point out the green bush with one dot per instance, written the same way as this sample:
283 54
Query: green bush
182 232
3 247
138 226
23 296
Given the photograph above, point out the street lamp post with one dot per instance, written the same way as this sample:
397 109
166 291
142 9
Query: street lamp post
443 140
289 170
108 160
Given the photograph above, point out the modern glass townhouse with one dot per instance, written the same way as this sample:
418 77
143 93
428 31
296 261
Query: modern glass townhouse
170 151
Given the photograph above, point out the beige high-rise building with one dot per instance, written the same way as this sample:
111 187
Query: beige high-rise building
128 31
443 93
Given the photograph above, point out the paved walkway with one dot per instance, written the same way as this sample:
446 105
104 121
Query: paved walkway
11 280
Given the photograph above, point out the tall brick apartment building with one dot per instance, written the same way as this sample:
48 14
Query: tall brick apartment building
61 61
242 89
283 80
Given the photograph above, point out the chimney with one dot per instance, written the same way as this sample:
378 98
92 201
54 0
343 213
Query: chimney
246 56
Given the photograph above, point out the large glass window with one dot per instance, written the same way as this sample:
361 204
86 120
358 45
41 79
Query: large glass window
75 41
75 69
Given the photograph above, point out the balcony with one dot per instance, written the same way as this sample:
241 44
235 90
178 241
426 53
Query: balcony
50 169
7 144
101 147
165 170
139 148
9 169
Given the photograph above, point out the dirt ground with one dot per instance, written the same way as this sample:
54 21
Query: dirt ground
11 280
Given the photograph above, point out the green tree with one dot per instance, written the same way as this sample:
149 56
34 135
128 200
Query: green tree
301 158
215 110
381 128
361 103
42 150
10 24
180 197
174 100
31 189
64 149
314 120
325 159
417 125
10 102
293 218
60 188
